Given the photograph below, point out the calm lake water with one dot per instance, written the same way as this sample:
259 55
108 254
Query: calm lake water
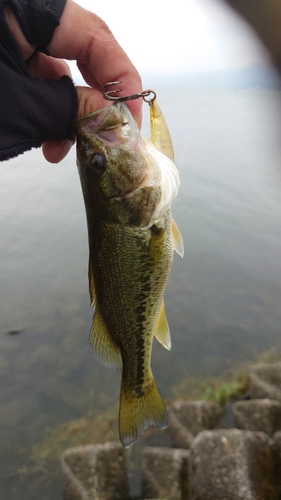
223 299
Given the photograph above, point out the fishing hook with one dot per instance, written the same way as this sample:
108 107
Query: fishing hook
144 94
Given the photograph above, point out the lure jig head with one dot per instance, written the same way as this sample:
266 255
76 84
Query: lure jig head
144 94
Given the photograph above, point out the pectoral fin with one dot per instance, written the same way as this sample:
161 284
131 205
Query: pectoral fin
162 331
177 239
102 345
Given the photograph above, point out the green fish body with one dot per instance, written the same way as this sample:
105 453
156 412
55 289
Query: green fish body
128 187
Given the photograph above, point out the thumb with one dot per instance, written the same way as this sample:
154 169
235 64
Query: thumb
89 100
43 66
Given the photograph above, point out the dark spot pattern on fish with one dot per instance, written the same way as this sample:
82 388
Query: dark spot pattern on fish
146 287
156 230
140 366
141 308
141 318
135 219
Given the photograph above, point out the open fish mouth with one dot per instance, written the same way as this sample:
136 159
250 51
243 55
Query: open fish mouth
107 124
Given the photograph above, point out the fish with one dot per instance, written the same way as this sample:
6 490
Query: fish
128 185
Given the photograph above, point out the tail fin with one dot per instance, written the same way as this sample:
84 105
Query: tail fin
136 414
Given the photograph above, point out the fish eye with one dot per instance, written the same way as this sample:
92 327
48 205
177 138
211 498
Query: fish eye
97 163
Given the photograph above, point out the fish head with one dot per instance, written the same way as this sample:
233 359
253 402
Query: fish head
120 168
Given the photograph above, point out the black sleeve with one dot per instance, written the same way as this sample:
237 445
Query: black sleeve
37 19
32 110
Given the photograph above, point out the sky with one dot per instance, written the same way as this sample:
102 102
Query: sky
173 37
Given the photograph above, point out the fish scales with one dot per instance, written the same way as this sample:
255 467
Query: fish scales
131 240
144 264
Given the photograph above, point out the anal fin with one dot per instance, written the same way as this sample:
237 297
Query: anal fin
102 345
162 330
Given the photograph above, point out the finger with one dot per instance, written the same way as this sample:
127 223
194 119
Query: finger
135 106
89 100
54 151
84 37
43 66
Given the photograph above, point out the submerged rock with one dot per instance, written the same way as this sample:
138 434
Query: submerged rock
95 472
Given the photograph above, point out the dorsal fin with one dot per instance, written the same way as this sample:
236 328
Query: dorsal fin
177 239
102 345
162 331
159 132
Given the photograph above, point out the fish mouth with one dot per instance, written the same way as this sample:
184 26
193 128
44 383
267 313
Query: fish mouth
110 124
107 118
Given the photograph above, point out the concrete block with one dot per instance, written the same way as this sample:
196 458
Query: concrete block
232 465
164 473
265 381
95 472
188 418
258 415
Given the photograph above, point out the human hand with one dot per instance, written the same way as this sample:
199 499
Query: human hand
84 37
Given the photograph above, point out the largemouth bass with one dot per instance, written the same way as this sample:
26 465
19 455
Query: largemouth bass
128 186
